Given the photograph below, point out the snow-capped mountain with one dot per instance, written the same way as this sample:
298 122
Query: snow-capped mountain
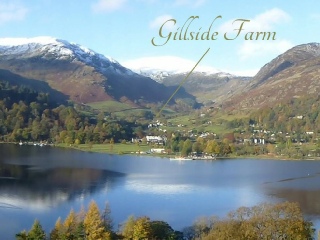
159 68
48 48
206 83
78 72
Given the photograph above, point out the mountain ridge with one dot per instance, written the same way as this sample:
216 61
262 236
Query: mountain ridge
293 74
80 73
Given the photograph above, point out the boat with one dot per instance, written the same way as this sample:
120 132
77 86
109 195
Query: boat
181 159
204 158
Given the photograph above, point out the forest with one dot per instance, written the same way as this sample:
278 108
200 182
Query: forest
296 115
26 115
265 221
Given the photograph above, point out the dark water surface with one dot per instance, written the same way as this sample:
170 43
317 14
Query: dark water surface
46 182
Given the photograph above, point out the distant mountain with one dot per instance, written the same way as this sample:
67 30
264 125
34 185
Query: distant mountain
161 67
293 74
78 72
209 87
206 83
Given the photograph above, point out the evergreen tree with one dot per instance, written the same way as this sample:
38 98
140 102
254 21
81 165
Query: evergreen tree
23 235
36 232
106 217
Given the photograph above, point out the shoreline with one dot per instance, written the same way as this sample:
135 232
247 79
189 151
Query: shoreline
141 150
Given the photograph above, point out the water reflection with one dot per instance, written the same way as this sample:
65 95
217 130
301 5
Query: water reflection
52 181
309 200
37 188
158 188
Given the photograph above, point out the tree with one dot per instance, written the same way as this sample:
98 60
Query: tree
265 221
106 218
93 224
58 231
80 230
196 147
212 147
161 230
70 225
142 228
22 235
127 228
202 226
225 147
187 148
36 232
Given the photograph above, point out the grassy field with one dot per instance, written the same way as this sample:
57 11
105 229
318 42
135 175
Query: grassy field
110 106
117 148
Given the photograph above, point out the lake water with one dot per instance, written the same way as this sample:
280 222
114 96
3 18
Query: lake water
46 182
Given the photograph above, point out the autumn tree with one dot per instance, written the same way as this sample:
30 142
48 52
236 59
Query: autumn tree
136 229
70 225
142 228
93 224
58 231
265 221
127 228
186 148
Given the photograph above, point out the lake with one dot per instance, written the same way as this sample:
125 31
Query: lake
46 182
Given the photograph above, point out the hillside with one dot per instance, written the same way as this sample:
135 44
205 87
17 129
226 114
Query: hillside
37 86
209 88
79 73
293 74
207 84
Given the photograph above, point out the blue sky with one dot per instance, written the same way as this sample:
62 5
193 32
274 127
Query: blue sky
123 29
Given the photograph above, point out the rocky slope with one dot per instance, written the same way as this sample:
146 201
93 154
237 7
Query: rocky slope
293 74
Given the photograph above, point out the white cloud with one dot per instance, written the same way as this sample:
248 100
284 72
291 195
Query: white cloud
263 22
159 21
255 49
244 73
166 63
193 3
114 5
267 20
12 11
148 1
315 16
108 5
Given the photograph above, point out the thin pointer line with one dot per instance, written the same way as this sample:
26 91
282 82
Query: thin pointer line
182 82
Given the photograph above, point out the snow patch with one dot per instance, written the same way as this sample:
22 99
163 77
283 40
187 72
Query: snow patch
60 49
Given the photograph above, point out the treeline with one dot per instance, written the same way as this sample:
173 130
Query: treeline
201 145
93 225
297 115
263 222
13 94
26 115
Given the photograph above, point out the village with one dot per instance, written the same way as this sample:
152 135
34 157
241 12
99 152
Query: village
257 141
